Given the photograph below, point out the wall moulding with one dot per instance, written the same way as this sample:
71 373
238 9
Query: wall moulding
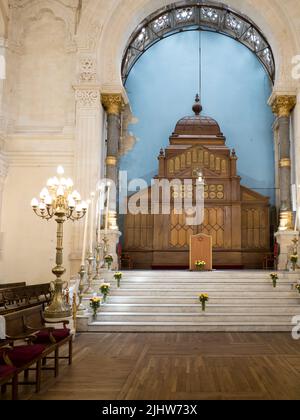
24 12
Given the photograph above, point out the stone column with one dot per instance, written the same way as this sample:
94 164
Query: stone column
113 104
282 106
87 154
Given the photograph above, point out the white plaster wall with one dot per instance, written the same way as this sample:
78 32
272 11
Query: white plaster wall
29 242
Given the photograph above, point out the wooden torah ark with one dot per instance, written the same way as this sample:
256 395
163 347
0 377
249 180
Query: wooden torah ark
236 218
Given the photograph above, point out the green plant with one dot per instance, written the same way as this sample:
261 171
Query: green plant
95 303
109 260
200 264
274 278
118 276
105 290
203 298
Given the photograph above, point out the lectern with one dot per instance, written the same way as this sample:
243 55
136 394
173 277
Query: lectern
201 250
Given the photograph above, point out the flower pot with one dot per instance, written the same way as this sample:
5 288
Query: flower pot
118 283
203 306
274 284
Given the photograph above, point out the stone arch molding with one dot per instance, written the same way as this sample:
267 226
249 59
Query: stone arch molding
278 22
25 11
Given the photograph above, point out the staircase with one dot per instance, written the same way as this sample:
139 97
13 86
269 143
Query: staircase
167 301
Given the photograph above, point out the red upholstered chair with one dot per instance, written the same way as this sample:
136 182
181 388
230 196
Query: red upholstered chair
22 358
54 338
8 374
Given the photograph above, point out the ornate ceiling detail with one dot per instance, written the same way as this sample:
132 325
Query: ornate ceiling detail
191 15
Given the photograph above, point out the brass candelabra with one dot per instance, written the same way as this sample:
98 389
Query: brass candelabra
59 202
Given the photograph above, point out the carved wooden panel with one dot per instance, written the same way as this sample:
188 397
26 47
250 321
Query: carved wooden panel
214 225
139 231
255 228
180 233
198 157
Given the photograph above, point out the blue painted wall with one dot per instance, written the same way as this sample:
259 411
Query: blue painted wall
235 90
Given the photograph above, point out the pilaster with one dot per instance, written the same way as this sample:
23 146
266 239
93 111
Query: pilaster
88 151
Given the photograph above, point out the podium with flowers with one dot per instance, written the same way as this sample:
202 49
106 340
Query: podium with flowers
201 252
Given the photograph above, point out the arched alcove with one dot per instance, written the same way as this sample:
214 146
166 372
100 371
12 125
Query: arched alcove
235 90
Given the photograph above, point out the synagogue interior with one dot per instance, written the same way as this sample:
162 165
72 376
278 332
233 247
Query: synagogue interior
149 201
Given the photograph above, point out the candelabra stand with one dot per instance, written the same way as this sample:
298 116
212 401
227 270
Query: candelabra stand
98 261
59 202
105 247
82 274
91 260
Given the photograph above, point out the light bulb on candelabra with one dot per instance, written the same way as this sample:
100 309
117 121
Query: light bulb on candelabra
44 193
60 171
48 200
50 183
71 203
63 182
60 191
42 206
76 196
55 182
70 183
84 205
34 203
79 208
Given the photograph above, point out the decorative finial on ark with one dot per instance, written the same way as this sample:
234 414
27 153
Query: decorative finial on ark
197 108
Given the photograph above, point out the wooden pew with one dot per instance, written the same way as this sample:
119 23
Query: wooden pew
11 285
18 298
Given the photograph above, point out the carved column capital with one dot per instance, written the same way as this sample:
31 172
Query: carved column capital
113 103
282 105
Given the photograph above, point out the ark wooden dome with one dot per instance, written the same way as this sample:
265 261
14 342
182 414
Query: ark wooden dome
197 125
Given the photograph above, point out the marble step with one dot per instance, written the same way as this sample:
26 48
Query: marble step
196 317
187 327
247 274
216 300
196 308
193 279
245 287
213 292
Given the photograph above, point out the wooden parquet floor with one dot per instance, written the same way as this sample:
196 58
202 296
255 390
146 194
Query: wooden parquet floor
179 366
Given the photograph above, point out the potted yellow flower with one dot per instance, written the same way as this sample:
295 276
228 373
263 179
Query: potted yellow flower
298 287
95 303
108 260
203 298
105 290
118 276
294 260
200 265
274 278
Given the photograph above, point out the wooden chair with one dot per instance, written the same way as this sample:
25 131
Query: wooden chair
8 376
23 358
55 338
126 262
